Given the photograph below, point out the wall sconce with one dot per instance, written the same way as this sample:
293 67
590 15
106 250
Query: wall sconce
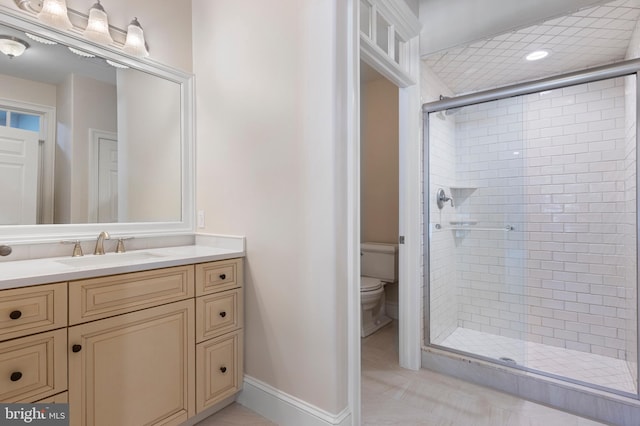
12 46
54 13
135 44
98 25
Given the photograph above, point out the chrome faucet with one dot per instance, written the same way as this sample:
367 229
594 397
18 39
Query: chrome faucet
100 243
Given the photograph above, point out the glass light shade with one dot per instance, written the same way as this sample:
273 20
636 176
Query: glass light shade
98 26
12 46
54 13
135 44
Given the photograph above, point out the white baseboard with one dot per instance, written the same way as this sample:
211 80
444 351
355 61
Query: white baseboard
284 409
392 310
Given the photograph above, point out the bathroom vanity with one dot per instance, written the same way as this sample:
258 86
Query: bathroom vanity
150 337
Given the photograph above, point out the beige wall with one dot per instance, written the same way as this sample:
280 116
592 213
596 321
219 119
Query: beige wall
379 161
166 23
18 89
77 112
88 114
149 155
271 167
64 152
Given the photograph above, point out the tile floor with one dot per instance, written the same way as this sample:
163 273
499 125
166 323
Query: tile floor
395 396
590 368
235 415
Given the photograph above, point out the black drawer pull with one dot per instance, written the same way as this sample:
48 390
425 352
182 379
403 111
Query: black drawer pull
223 314
223 276
76 348
14 315
223 369
16 376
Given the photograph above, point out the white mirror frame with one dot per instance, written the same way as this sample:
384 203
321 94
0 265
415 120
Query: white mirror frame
31 234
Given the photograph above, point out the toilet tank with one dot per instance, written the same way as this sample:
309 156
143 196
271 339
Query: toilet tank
379 260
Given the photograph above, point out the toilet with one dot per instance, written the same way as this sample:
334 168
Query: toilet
378 267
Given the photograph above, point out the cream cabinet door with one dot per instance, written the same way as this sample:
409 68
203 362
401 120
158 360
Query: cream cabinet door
219 363
134 369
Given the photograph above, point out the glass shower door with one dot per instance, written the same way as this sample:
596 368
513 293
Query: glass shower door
532 247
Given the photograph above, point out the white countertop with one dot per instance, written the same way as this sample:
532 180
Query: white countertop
22 273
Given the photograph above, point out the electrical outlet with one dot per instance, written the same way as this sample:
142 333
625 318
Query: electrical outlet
200 218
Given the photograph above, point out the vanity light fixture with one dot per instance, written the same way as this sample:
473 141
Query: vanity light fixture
12 46
135 44
537 55
54 13
98 25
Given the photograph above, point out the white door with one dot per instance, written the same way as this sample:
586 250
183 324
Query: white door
107 180
18 176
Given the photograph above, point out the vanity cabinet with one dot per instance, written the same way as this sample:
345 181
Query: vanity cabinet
219 322
144 348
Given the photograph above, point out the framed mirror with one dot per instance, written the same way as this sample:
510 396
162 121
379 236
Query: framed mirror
90 140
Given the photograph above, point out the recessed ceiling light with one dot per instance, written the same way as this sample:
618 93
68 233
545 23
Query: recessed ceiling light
537 55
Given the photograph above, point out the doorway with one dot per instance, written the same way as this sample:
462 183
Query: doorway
379 178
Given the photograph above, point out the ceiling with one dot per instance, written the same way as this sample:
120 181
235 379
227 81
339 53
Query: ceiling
51 63
586 38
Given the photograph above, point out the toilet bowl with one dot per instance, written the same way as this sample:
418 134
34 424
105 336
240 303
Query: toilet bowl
378 267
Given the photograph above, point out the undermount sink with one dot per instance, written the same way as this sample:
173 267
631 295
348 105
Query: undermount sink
109 259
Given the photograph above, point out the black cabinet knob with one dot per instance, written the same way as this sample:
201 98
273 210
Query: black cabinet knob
223 276
223 314
223 369
76 348
16 376
14 315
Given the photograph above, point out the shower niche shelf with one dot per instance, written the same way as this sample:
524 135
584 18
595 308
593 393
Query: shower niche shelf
461 193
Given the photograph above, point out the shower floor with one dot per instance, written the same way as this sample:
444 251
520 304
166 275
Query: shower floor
596 369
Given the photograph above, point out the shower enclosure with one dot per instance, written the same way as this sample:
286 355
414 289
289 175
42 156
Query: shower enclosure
531 233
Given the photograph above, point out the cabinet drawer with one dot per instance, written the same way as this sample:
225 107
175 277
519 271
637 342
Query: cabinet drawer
102 297
218 313
32 310
34 367
218 276
219 369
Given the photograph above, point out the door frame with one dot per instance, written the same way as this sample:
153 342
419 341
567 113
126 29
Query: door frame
94 169
410 191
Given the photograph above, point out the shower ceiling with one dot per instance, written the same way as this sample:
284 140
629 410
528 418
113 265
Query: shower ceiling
590 37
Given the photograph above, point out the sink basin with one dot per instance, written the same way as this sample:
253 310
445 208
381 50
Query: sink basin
109 259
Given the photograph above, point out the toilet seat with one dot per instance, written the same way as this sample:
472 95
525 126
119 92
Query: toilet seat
370 284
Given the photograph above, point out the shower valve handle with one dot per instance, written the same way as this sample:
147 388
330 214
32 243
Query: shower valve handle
441 198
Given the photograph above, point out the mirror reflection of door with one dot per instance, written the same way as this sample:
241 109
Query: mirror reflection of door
19 167
104 189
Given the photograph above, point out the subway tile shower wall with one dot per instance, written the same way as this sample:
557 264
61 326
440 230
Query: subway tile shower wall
558 166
